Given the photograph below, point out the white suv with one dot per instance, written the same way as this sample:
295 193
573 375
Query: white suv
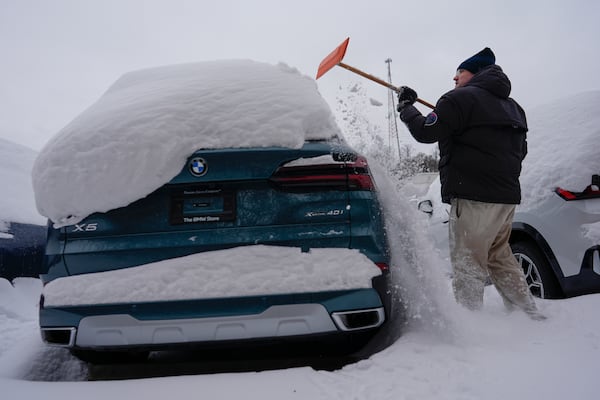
555 245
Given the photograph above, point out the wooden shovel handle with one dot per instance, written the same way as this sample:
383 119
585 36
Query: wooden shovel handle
380 81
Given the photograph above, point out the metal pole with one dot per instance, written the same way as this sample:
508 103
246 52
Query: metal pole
392 120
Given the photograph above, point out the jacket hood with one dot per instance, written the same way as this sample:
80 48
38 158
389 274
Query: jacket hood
492 79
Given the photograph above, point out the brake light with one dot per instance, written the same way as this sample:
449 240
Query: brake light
592 191
359 176
565 194
586 194
383 266
345 175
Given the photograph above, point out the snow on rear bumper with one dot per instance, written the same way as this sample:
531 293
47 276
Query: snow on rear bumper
242 271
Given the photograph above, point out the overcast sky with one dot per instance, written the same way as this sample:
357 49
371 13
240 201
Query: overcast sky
59 56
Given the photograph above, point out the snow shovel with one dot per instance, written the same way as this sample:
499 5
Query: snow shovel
335 58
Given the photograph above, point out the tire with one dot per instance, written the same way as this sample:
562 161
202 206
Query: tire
539 275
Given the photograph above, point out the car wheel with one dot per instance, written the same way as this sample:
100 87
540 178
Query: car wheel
539 275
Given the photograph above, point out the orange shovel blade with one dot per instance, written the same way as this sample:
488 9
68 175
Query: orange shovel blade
333 58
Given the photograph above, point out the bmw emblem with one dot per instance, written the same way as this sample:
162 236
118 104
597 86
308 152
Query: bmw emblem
198 167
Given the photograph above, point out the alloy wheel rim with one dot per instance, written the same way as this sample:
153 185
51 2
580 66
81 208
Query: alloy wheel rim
532 275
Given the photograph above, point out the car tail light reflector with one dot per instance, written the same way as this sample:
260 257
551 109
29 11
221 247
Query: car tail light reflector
383 266
586 194
565 194
590 192
347 175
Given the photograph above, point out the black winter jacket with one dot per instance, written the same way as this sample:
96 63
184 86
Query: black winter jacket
481 134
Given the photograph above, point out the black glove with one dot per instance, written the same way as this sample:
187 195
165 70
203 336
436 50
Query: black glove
406 97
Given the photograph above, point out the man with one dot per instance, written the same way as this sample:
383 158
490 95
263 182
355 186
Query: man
481 134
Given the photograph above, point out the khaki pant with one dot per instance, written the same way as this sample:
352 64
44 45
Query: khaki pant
479 248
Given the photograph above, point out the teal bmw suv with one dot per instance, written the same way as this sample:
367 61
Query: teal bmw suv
243 245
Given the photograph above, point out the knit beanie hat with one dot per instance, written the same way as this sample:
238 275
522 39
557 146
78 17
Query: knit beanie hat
480 60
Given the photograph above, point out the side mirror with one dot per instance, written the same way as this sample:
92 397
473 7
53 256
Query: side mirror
426 206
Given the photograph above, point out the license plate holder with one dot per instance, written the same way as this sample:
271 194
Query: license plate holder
201 206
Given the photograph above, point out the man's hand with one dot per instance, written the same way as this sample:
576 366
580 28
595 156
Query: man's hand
406 97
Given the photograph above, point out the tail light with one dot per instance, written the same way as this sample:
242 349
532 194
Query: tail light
383 266
590 192
350 174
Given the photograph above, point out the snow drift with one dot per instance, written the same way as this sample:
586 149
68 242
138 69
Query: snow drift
16 192
562 147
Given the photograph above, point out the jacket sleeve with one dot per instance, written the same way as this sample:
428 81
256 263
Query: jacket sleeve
437 125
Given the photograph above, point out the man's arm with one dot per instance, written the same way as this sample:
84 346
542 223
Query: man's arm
437 125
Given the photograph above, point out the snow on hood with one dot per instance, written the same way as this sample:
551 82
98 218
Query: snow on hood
563 147
16 192
137 136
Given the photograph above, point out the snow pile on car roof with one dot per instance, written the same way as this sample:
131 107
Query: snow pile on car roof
138 135
563 147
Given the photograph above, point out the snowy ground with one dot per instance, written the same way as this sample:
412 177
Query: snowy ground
443 352
486 355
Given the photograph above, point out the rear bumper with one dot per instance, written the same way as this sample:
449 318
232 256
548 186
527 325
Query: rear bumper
162 325
587 281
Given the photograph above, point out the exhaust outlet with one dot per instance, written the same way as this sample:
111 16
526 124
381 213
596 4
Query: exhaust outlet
361 319
60 337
